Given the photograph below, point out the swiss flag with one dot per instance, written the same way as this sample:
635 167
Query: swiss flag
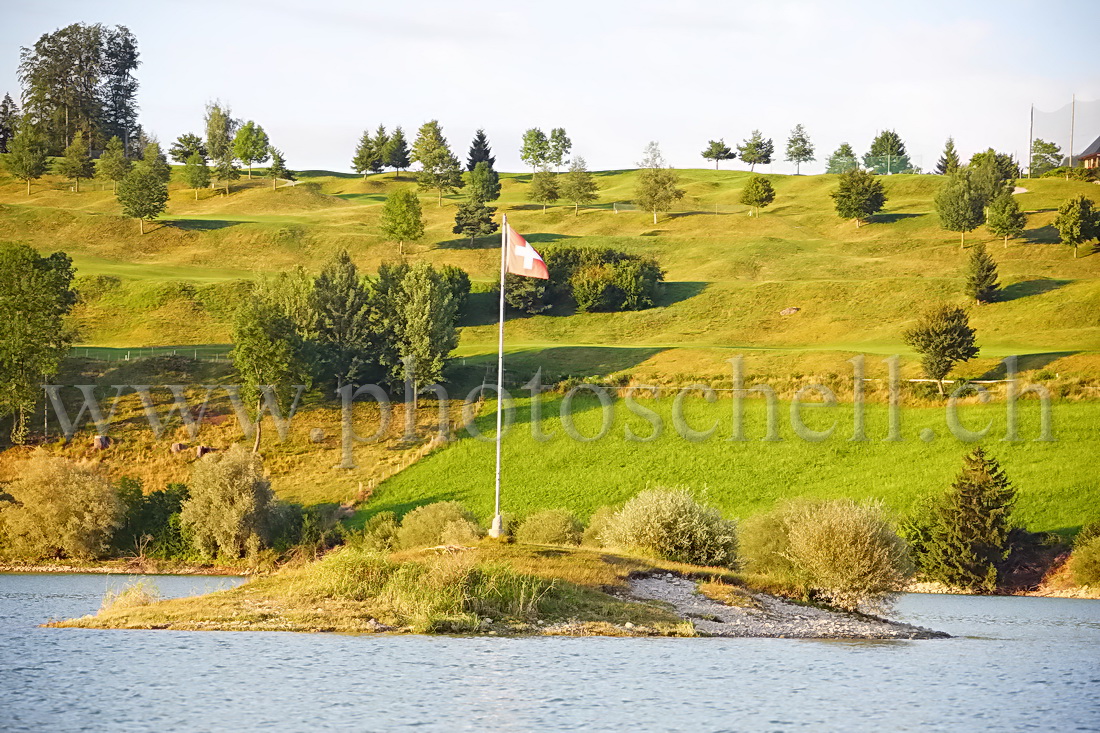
522 257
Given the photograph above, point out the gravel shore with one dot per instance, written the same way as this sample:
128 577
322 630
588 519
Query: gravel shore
767 616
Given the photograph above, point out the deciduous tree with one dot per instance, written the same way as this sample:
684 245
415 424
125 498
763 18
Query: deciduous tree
196 174
560 148
26 158
544 188
185 146
143 196
344 327
250 145
401 218
799 148
656 190
113 164
220 130
153 161
959 205
76 164
859 196
535 150
1044 156
231 509
484 183
1004 218
757 193
1077 221
943 337
578 186
439 168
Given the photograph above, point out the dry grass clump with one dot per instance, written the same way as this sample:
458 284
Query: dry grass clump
435 524
135 595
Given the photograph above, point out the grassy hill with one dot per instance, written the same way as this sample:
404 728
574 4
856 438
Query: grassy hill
729 275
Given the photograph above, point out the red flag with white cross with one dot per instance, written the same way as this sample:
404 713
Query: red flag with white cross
522 257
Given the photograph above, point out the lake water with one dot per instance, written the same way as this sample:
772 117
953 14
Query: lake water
1017 664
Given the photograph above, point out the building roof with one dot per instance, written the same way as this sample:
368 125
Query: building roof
1091 150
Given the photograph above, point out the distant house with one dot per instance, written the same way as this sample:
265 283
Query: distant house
1090 157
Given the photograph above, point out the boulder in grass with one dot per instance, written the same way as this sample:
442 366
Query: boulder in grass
789 311
179 447
202 450
101 442
317 435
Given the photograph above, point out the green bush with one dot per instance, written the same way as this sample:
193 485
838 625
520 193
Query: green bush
597 527
425 525
147 527
379 533
673 526
1076 174
550 527
593 288
1086 533
592 278
60 508
841 552
1084 563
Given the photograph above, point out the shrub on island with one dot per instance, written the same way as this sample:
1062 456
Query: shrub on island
673 526
444 522
550 527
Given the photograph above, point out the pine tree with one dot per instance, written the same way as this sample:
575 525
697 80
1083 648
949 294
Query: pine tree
439 168
656 189
397 152
380 141
113 164
578 186
143 196
474 219
967 532
943 337
9 120
535 150
196 174
278 168
364 154
544 188
1004 218
153 160
757 193
717 150
26 158
887 154
484 183
76 163
479 151
843 160
959 205
401 218
859 196
949 161
185 146
981 276
250 145
343 330
560 148
1077 221
756 150
799 148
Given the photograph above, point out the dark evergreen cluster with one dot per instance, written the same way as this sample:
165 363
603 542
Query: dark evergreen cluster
591 279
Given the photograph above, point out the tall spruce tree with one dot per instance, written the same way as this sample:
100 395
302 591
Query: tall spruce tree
757 193
968 528
364 156
799 148
113 164
1004 218
981 276
479 151
26 158
959 204
756 150
381 139
859 196
717 150
277 170
1077 222
401 220
842 160
474 219
397 152
250 145
949 161
887 154
76 163
9 119
578 186
483 183
943 337
196 174
439 168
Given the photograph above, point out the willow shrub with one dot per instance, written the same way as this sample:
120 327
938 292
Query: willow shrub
673 526
550 527
435 524
1084 563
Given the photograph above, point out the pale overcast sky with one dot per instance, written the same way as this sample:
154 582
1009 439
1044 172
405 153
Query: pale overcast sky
614 74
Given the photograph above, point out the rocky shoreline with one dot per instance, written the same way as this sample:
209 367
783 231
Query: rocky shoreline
767 616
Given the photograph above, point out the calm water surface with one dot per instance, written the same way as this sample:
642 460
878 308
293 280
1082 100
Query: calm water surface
1017 664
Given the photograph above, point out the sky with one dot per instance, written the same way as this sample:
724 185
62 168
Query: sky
615 74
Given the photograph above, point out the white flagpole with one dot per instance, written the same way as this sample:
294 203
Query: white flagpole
497 528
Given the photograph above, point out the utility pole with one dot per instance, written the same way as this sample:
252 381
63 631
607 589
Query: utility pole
1072 122
1031 140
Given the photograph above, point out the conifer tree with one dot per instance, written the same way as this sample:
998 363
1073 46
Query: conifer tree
9 120
250 145
959 205
859 196
196 174
756 150
535 150
343 330
1004 218
842 160
656 189
26 158
401 218
113 164
981 276
225 168
1077 221
479 151
364 154
887 154
949 161
76 163
544 188
757 193
143 196
397 152
578 186
943 337
439 168
474 219
560 146
278 168
717 150
380 140
967 532
799 148
185 146
484 183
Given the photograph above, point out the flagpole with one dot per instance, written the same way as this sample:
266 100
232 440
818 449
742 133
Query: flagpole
497 528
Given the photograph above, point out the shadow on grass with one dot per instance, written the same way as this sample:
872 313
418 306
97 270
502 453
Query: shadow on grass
1027 288
679 291
201 225
1026 362
1042 235
891 218
557 363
